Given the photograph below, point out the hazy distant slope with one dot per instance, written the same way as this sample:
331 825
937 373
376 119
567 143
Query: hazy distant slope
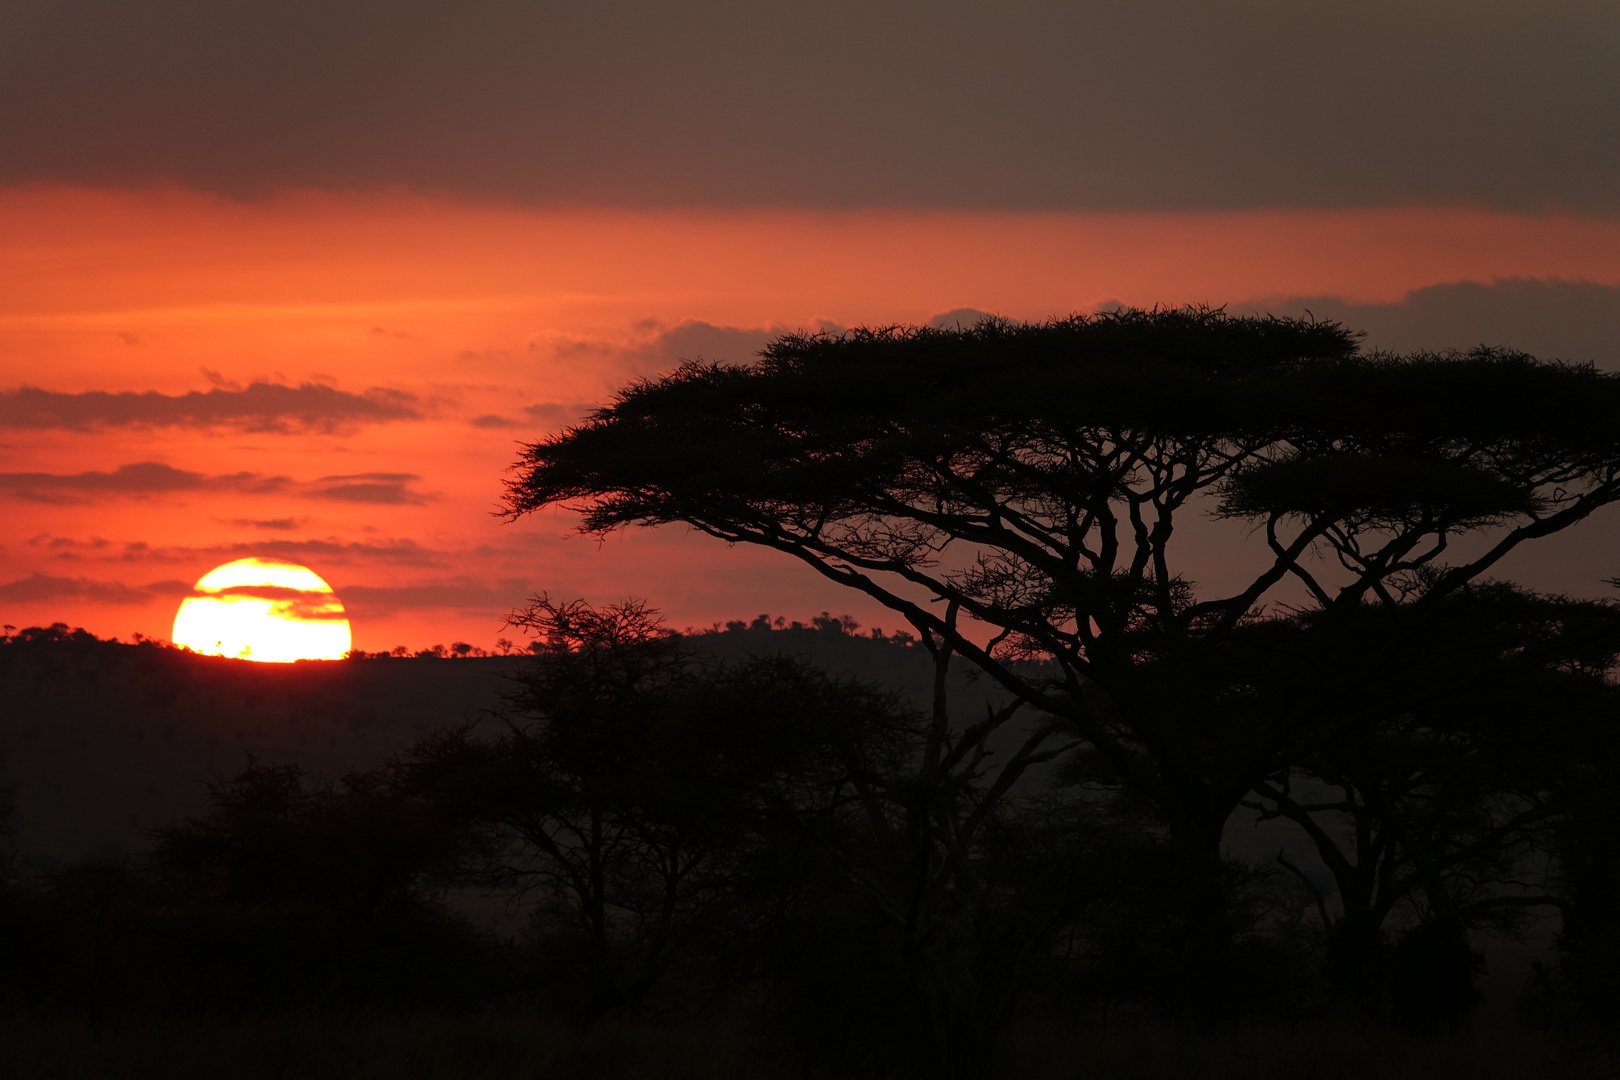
101 741
98 742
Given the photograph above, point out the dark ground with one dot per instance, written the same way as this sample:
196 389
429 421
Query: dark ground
518 1045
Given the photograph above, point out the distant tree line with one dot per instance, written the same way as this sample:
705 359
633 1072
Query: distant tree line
60 633
836 624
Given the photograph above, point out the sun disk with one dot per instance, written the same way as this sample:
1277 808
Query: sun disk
264 610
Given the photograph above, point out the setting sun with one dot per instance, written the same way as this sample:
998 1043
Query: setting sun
264 610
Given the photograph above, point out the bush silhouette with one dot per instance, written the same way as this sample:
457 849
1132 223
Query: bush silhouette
1432 978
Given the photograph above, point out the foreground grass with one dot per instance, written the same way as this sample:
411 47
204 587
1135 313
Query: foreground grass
1307 1051
323 1048
523 1046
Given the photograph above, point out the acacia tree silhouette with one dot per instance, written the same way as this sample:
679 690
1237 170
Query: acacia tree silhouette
669 809
1015 491
1445 802
635 784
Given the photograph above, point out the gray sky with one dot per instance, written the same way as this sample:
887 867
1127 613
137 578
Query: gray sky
1577 321
1140 105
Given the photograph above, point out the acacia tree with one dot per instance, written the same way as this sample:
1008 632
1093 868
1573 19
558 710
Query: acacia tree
633 786
1449 805
965 874
1017 490
665 807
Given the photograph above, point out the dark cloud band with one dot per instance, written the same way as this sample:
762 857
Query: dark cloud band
269 408
154 478
1090 104
144 478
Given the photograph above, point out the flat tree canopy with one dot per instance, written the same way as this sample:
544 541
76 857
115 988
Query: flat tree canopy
1029 479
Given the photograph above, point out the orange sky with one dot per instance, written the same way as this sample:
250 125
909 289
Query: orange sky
467 311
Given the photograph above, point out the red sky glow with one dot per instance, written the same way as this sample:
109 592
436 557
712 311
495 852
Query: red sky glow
361 367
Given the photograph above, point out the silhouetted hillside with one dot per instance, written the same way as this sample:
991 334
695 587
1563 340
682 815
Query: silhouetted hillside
100 741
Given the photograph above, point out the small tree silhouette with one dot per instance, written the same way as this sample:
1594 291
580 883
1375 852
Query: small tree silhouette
304 891
630 788
1450 800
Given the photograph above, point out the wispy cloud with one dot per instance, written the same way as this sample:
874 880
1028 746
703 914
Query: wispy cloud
284 524
150 478
491 420
545 414
459 593
382 488
517 546
651 348
328 551
963 317
141 478
260 407
37 588
694 339
555 413
463 594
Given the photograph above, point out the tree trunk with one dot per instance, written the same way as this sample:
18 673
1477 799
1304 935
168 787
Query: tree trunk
1208 989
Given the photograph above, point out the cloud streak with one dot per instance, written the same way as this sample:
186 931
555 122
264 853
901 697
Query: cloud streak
330 550
694 339
493 422
462 593
374 488
39 588
142 478
283 524
150 478
459 593
262 408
